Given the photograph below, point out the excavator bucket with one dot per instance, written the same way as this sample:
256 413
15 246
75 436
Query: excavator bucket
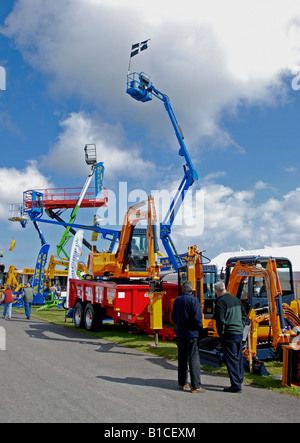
258 367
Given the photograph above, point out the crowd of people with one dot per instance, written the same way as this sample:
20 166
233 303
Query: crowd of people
28 294
7 301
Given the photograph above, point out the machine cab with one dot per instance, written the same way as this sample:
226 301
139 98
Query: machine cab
252 290
138 260
210 278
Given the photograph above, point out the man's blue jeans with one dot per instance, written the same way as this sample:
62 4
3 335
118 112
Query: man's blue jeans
27 306
7 309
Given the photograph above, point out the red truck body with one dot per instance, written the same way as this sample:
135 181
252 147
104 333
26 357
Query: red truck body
123 302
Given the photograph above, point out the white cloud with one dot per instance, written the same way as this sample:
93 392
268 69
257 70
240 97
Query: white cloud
14 182
66 156
209 178
233 219
207 56
291 170
261 185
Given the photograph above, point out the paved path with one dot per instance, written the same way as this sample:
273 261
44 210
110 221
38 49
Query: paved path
53 374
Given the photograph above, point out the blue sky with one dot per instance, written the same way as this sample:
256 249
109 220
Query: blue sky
228 70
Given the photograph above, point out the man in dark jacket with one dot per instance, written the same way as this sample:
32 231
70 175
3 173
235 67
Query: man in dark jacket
187 316
231 319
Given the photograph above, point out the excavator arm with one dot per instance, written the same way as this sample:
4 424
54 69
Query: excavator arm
116 265
132 217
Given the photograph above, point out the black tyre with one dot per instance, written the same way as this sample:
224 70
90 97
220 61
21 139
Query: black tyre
78 315
92 317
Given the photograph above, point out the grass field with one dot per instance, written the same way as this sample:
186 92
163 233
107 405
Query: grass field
132 338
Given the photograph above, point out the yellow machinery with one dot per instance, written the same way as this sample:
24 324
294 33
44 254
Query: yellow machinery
12 279
278 323
155 309
265 287
269 323
51 272
117 265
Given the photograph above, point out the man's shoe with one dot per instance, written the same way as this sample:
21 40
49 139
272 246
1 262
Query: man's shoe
186 387
232 390
197 390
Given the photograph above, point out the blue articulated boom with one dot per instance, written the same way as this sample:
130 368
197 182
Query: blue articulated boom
33 207
41 235
141 88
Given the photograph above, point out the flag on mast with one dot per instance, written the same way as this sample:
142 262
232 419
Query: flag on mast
138 47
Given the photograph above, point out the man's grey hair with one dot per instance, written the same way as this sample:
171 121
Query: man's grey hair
219 286
187 286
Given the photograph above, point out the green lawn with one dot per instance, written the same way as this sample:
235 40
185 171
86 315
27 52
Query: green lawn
133 338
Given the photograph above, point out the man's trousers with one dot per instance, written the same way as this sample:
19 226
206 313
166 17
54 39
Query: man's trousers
188 352
232 346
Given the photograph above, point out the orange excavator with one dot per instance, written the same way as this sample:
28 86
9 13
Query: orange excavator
265 287
137 252
274 323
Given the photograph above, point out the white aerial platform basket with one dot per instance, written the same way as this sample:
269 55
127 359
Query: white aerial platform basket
16 213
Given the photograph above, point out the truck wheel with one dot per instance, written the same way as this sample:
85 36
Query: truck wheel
92 318
78 315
